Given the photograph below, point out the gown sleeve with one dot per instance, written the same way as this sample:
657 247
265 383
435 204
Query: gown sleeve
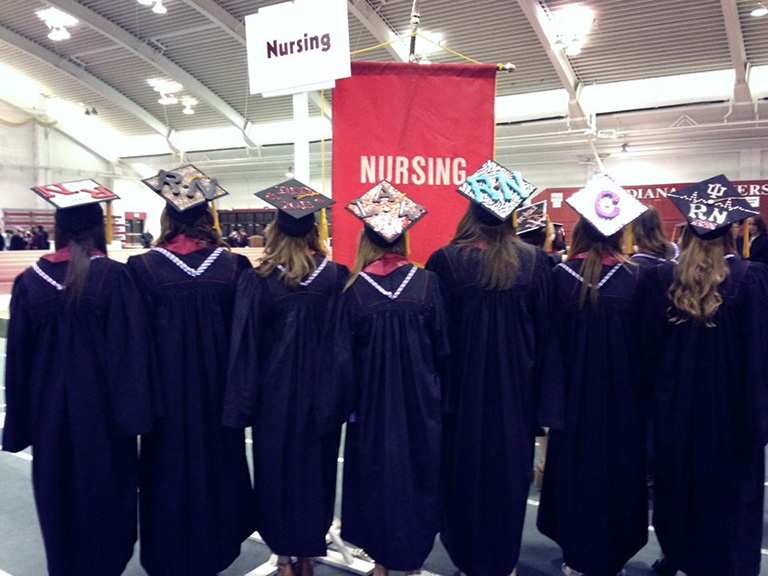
17 431
129 366
336 390
245 352
548 359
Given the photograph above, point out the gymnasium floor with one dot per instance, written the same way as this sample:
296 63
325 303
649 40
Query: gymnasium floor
21 547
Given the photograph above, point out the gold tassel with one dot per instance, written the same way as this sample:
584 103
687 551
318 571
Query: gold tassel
514 220
629 239
215 216
550 233
745 237
407 243
110 224
323 227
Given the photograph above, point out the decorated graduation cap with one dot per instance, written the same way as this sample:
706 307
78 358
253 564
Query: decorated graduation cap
497 190
296 205
187 191
533 217
386 212
76 202
711 206
606 205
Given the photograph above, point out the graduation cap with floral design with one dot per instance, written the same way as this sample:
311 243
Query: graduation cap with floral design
387 211
296 204
606 205
496 189
711 206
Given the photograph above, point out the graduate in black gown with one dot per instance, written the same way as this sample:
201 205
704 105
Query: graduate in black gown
758 240
77 388
651 247
534 228
708 318
387 351
504 382
195 484
281 310
594 497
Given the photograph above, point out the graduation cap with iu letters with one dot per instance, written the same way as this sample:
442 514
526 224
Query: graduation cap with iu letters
296 204
606 205
185 187
498 190
387 211
533 217
711 206
77 202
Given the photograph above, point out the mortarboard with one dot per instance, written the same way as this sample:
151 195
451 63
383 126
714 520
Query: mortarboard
533 217
187 191
296 204
496 189
711 206
387 211
606 205
76 202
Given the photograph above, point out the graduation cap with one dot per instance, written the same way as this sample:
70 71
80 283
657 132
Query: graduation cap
187 191
387 211
498 190
606 205
533 217
296 204
76 202
711 206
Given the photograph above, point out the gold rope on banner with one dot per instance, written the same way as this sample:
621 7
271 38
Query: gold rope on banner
323 213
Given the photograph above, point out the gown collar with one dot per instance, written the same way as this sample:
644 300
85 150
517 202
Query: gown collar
608 258
64 254
387 264
183 244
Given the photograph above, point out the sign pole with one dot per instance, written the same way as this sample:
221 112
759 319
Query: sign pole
301 137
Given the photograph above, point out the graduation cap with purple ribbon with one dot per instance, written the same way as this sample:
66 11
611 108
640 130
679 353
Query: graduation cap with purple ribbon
711 206
498 190
387 211
606 205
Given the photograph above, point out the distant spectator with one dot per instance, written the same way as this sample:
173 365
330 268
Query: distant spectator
33 239
243 237
146 239
42 239
2 242
8 236
17 240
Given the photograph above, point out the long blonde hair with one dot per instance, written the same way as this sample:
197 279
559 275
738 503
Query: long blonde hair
499 259
294 253
588 240
368 252
700 271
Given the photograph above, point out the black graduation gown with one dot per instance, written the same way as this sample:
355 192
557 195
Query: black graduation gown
387 356
504 371
712 415
758 249
272 386
77 387
594 497
195 484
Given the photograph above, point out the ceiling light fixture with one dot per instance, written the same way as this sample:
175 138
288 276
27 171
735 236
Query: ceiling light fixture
158 8
572 26
760 11
188 102
57 22
146 2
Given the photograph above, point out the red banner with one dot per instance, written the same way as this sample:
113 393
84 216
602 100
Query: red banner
422 128
651 195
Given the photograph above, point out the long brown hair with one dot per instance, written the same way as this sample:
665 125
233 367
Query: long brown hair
588 240
293 253
702 268
81 243
499 259
649 236
368 251
201 229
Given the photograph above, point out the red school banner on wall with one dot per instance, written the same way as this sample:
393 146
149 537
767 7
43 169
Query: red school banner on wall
422 128
755 191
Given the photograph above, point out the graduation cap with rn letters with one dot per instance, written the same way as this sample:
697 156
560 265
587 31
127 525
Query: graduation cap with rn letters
387 211
606 205
76 202
711 206
496 189
185 187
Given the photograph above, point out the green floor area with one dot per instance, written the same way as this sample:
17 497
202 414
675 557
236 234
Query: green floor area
21 547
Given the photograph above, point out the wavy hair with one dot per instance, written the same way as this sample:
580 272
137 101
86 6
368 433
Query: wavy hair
701 270
201 229
368 251
294 253
649 235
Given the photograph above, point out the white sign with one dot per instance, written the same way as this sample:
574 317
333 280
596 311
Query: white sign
297 46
